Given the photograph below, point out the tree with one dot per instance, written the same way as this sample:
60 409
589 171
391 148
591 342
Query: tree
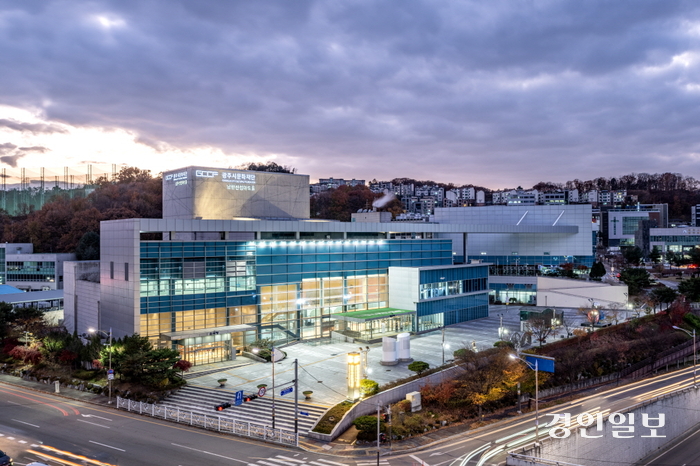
540 327
655 254
663 295
694 255
88 247
418 367
636 279
597 271
633 255
368 387
490 376
266 167
135 360
690 288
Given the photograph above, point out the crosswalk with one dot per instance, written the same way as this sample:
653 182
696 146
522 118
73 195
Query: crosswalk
300 460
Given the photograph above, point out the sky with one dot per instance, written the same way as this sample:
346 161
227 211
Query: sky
492 93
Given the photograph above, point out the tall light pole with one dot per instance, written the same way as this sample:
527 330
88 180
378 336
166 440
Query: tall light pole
110 374
695 355
537 395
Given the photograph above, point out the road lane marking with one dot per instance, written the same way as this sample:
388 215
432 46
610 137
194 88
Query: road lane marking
108 446
209 453
290 459
287 463
423 463
33 425
98 417
327 461
98 425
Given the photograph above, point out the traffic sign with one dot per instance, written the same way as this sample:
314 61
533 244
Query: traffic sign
110 376
110 371
239 398
287 391
262 391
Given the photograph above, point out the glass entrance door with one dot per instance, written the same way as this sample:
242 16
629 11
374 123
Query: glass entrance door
206 353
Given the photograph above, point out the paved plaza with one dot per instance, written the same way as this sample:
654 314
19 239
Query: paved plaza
323 367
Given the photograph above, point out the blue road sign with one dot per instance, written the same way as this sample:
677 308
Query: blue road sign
303 413
110 371
287 391
544 363
239 398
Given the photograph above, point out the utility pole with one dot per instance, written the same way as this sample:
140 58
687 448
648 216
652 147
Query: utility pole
111 374
296 396
378 420
443 344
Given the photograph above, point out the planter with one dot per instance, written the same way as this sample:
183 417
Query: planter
222 382
262 385
307 394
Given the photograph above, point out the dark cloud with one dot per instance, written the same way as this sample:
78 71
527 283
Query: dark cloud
34 128
10 153
496 93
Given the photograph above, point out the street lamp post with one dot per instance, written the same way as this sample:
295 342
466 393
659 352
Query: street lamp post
695 357
537 396
110 374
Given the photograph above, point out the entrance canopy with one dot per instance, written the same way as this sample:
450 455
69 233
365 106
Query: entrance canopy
372 314
205 332
374 324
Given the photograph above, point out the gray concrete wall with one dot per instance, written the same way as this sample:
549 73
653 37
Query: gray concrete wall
681 414
393 395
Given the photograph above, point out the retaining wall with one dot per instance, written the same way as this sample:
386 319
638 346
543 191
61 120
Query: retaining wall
681 414
393 395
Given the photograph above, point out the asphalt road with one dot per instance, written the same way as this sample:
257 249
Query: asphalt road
41 427
36 426
490 446
683 452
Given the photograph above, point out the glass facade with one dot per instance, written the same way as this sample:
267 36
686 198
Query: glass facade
31 271
287 289
452 295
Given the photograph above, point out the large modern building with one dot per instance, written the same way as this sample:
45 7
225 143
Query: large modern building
517 257
29 271
211 286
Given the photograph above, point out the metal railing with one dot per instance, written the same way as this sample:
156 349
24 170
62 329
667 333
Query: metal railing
211 422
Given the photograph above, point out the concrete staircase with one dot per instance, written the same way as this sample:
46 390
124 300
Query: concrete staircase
203 401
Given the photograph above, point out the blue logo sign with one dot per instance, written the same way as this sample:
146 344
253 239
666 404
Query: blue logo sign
286 391
303 413
239 398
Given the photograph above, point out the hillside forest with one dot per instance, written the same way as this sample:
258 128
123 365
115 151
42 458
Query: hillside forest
72 225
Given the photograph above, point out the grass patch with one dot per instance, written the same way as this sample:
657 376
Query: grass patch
332 417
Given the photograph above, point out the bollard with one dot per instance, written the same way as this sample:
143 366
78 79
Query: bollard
57 386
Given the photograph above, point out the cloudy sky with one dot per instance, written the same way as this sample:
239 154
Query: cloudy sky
494 93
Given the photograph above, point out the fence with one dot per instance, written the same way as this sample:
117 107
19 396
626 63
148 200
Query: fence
210 422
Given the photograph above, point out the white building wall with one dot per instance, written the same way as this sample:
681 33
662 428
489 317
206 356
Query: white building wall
403 287
81 301
534 244
562 292
120 303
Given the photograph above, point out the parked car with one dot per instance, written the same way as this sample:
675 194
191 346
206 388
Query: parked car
5 459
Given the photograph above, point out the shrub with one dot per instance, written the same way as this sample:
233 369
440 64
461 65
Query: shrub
504 344
367 425
692 320
368 387
84 375
418 367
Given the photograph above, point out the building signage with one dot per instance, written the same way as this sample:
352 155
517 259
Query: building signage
205 173
178 178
